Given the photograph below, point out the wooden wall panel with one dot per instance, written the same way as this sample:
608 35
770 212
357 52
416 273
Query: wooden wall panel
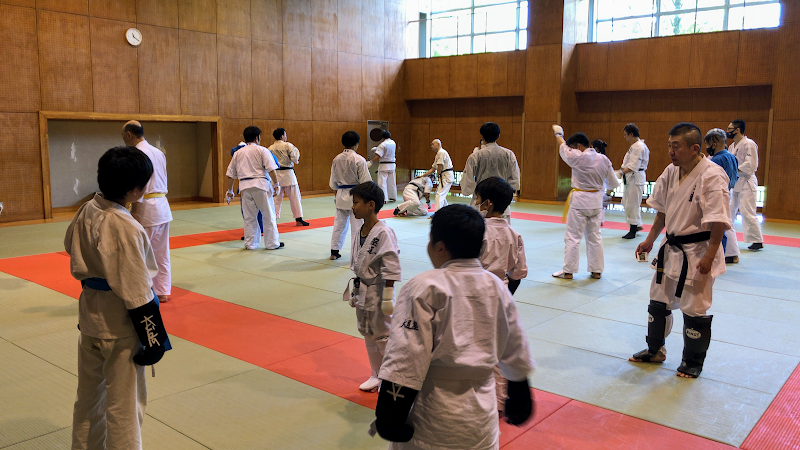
712 61
420 138
327 139
67 6
756 62
414 78
19 74
494 74
324 85
372 102
467 138
350 87
470 110
540 158
395 107
300 133
782 203
235 82
159 71
373 27
657 134
436 77
629 106
115 70
297 96
542 83
662 72
297 22
349 26
594 106
754 103
395 34
324 24
545 18
267 80
267 20
198 15
198 61
592 67
163 13
113 9
420 111
625 71
790 12
65 61
442 111
501 109
671 106
786 96
233 17
463 76
25 3
20 167
516 73
713 104
232 130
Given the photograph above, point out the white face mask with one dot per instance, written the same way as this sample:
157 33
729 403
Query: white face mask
480 211
483 213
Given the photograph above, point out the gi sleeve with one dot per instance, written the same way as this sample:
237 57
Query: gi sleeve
468 179
513 179
389 255
231 172
363 171
632 158
569 155
715 200
439 159
520 269
750 164
333 183
515 359
611 178
658 198
127 258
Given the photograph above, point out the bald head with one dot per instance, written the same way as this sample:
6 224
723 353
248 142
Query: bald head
436 145
132 133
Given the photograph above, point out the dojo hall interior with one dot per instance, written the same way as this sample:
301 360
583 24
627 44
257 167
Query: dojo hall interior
266 354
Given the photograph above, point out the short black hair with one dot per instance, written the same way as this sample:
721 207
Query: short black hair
385 134
251 133
739 123
689 131
600 146
490 131
138 130
350 139
631 129
578 138
461 229
278 133
369 191
497 190
122 169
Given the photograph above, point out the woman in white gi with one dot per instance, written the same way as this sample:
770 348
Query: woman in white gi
691 197
634 178
743 197
375 261
347 170
417 189
152 210
385 153
287 155
591 173
451 326
254 167
443 168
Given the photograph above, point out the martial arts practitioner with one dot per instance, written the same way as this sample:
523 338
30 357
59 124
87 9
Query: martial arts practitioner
385 153
241 205
443 168
591 173
691 197
254 167
490 161
287 155
715 147
121 330
451 326
634 178
348 170
375 262
152 210
415 191
743 198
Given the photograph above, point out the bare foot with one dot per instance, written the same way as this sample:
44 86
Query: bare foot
684 375
163 298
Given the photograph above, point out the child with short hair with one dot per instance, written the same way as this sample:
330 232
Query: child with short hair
450 327
375 262
119 319
347 170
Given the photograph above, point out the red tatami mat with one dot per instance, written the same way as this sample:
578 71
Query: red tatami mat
779 427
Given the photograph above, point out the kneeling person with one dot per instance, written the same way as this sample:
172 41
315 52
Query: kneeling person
413 193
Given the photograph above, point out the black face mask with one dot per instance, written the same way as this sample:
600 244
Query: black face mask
730 134
710 150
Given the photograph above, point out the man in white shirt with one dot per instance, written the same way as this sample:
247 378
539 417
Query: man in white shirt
251 165
385 153
287 155
443 167
743 196
152 210
634 178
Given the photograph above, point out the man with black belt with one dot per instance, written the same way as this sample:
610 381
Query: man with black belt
385 153
634 178
287 155
691 198
443 168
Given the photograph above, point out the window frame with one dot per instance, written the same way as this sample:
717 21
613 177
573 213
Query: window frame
460 12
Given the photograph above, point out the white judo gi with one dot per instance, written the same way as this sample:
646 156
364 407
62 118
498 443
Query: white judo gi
743 196
491 160
413 196
153 212
450 327
251 164
592 172
387 178
503 252
288 155
373 263
690 207
348 170
636 160
446 178
105 241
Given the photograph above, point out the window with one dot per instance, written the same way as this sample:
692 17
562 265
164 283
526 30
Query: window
616 20
459 27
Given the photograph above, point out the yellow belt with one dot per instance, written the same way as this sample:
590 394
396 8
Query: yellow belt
569 198
155 195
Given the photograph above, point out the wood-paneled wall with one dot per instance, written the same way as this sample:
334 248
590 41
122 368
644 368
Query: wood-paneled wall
316 67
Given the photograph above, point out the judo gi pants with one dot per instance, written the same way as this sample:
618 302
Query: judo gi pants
412 204
253 201
112 395
343 219
632 201
695 299
440 200
293 192
159 239
745 203
580 223
388 182
375 327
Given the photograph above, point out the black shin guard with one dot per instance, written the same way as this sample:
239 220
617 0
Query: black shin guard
658 315
696 339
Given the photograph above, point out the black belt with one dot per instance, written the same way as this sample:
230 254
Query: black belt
285 168
447 170
386 162
253 178
679 241
625 181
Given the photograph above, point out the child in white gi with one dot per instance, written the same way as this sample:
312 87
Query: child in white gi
385 153
348 170
119 319
287 155
451 326
375 262
417 189
691 197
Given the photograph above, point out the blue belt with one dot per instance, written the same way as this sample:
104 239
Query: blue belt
346 186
